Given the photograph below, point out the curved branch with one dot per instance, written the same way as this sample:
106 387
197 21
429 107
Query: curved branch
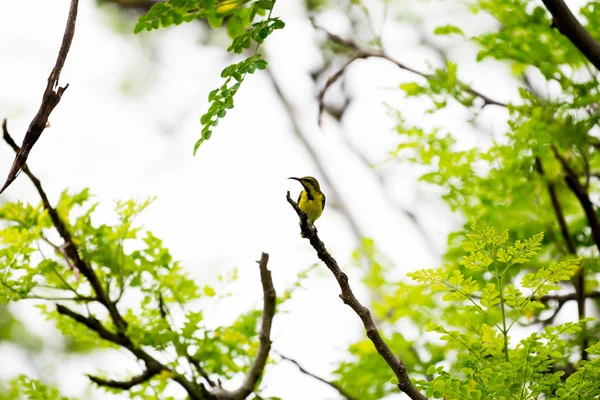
125 385
569 26
52 96
195 392
258 366
333 385
347 296
363 53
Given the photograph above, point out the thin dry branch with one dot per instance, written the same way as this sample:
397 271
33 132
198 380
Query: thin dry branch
333 385
363 53
258 366
581 192
568 25
52 96
125 385
347 296
153 366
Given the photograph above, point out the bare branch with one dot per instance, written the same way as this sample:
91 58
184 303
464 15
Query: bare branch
347 296
52 96
568 25
579 190
195 392
153 366
201 370
330 81
325 381
258 366
125 385
363 53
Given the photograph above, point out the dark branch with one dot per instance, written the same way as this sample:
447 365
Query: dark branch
363 53
568 25
560 217
258 366
347 296
201 370
52 96
581 192
563 298
325 381
124 385
153 366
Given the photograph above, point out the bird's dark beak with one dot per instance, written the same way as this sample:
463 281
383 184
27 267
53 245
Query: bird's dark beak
296 179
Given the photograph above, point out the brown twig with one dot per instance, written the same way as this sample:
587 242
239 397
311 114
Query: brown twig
348 297
333 385
125 385
153 366
52 96
560 217
568 25
201 370
258 366
363 53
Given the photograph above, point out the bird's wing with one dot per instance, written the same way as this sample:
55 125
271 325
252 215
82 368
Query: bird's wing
299 197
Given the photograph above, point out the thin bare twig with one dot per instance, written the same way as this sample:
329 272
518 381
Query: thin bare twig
258 366
581 192
124 385
363 53
348 297
52 96
333 385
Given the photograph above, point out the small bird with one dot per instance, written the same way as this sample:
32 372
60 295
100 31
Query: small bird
311 199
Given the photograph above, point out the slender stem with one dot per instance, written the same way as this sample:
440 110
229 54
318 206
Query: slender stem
504 330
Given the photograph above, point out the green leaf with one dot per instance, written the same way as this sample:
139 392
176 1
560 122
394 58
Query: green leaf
448 30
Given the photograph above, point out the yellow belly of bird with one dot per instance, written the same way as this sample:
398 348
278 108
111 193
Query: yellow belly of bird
313 208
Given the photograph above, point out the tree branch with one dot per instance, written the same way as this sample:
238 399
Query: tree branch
569 26
153 366
258 366
333 385
69 246
125 385
581 192
52 96
347 296
363 53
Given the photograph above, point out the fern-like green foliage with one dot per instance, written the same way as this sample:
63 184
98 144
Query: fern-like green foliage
160 303
244 32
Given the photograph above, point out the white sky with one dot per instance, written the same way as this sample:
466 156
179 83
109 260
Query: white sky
220 209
